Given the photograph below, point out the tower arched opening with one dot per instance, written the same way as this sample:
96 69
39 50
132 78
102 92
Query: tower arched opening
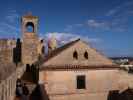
30 27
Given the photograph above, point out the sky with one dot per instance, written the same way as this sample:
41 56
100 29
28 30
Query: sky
106 25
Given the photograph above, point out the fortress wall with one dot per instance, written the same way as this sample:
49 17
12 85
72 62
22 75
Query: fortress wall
6 50
8 86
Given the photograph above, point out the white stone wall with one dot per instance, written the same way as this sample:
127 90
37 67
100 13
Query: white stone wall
61 85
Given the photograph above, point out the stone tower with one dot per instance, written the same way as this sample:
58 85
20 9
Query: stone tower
52 44
41 47
29 39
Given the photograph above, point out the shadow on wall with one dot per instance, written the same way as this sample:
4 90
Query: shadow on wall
125 95
113 95
39 93
31 74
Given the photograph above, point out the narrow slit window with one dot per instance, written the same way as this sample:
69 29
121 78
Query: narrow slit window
81 83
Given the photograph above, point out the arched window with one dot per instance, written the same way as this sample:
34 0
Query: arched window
75 55
86 55
41 41
29 27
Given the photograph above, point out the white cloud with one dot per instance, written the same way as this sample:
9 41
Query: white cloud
113 11
114 25
63 38
9 25
115 20
122 8
69 28
96 25
78 25
12 16
99 25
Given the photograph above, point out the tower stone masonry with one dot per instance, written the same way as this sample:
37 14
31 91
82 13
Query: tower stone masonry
30 39
52 44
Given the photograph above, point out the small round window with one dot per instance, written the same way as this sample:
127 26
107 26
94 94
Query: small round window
86 55
75 55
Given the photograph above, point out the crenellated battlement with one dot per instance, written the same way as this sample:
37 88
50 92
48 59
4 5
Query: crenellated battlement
6 50
7 43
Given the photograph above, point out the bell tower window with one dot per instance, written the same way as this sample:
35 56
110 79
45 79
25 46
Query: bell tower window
30 27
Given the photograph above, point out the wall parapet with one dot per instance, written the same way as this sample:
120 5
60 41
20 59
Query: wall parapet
8 86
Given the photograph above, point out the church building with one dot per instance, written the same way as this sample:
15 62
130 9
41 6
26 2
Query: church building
76 71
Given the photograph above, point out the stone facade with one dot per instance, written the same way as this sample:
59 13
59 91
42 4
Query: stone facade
6 50
30 39
65 57
59 73
61 85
